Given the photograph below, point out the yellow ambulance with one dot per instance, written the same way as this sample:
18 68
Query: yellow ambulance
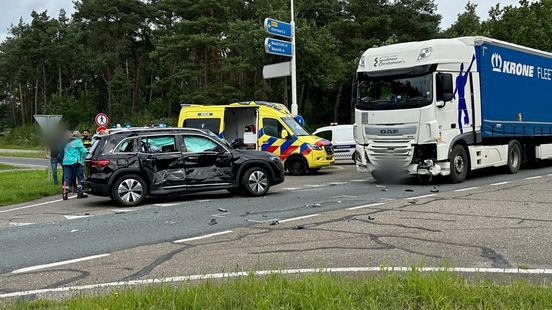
262 126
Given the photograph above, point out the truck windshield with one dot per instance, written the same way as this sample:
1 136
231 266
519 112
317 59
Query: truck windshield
394 92
297 129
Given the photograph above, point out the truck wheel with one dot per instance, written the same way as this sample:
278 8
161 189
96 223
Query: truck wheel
255 181
356 157
296 166
459 165
129 190
514 157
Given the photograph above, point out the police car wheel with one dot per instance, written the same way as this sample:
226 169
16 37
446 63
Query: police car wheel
255 181
296 166
314 170
129 190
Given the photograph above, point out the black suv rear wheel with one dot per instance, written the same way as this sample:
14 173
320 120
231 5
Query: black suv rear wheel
129 190
255 181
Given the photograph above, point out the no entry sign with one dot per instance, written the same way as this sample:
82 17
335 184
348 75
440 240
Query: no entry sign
102 120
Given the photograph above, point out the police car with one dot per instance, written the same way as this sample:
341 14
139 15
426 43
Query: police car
341 137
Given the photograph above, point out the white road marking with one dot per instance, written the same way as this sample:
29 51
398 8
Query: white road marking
466 189
338 183
298 218
366 180
228 275
221 214
315 185
533 178
35 205
74 217
167 204
420 197
263 221
205 200
344 196
367 206
66 262
204 236
501 183
291 188
21 224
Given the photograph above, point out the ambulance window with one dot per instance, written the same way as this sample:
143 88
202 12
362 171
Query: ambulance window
272 127
325 135
212 124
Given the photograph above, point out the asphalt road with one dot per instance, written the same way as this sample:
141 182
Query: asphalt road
24 162
58 231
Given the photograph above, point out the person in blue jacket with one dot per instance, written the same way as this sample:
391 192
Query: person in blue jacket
73 156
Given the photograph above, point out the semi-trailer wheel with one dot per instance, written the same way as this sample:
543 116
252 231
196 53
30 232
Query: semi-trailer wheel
459 165
514 157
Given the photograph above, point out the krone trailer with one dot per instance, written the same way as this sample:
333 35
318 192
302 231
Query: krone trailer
450 106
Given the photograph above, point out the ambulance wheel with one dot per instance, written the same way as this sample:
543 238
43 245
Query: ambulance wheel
296 166
514 157
459 165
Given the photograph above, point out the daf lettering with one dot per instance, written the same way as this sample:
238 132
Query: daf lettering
389 131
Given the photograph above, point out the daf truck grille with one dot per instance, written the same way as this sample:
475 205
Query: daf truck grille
394 153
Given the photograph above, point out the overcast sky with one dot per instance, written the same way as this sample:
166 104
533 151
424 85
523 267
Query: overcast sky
12 10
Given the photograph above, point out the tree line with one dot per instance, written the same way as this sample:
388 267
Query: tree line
139 60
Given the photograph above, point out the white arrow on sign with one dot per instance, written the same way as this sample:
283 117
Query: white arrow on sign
277 70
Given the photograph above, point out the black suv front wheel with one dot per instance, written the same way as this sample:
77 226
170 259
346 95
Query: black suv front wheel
129 190
255 181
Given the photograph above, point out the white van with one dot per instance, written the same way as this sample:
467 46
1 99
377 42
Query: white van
342 139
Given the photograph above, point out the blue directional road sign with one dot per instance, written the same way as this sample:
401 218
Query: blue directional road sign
278 28
278 47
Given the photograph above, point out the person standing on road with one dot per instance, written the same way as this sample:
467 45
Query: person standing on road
86 139
54 152
73 155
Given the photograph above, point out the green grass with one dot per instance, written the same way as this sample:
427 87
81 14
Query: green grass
6 167
23 154
22 186
319 291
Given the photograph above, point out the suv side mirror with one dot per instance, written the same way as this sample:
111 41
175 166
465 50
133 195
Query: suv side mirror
444 89
284 134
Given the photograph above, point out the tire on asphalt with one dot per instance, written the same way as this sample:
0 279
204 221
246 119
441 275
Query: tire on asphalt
514 157
129 190
235 191
459 164
314 170
296 165
255 181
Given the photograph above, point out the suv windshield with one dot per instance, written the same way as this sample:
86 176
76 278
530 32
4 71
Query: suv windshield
297 129
395 92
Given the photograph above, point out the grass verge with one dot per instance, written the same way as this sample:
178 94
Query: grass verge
414 290
22 186
6 167
23 154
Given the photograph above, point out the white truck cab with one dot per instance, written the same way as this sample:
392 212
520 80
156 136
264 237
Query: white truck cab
448 106
342 139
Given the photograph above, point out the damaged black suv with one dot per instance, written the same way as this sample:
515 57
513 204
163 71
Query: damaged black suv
130 165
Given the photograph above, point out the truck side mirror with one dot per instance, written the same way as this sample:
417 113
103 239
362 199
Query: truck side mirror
444 89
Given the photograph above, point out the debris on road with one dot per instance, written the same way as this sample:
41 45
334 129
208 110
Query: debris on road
313 205
298 227
409 190
381 186
434 190
213 222
222 210
384 189
275 222
370 218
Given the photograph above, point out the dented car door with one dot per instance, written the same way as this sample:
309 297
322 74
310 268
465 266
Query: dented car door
162 161
206 162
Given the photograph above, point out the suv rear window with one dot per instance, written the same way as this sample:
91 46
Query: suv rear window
127 146
212 124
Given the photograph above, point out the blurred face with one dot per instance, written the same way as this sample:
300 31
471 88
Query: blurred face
68 134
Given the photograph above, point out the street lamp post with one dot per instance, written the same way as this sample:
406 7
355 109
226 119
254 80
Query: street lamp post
294 106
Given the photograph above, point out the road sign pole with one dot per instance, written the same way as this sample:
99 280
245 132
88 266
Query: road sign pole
294 106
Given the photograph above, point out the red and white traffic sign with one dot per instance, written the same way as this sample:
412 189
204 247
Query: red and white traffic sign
102 120
101 128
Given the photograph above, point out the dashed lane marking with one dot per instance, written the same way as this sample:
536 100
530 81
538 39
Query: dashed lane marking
420 197
466 189
21 224
367 206
501 183
268 272
534 178
74 217
35 205
204 236
298 218
66 262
